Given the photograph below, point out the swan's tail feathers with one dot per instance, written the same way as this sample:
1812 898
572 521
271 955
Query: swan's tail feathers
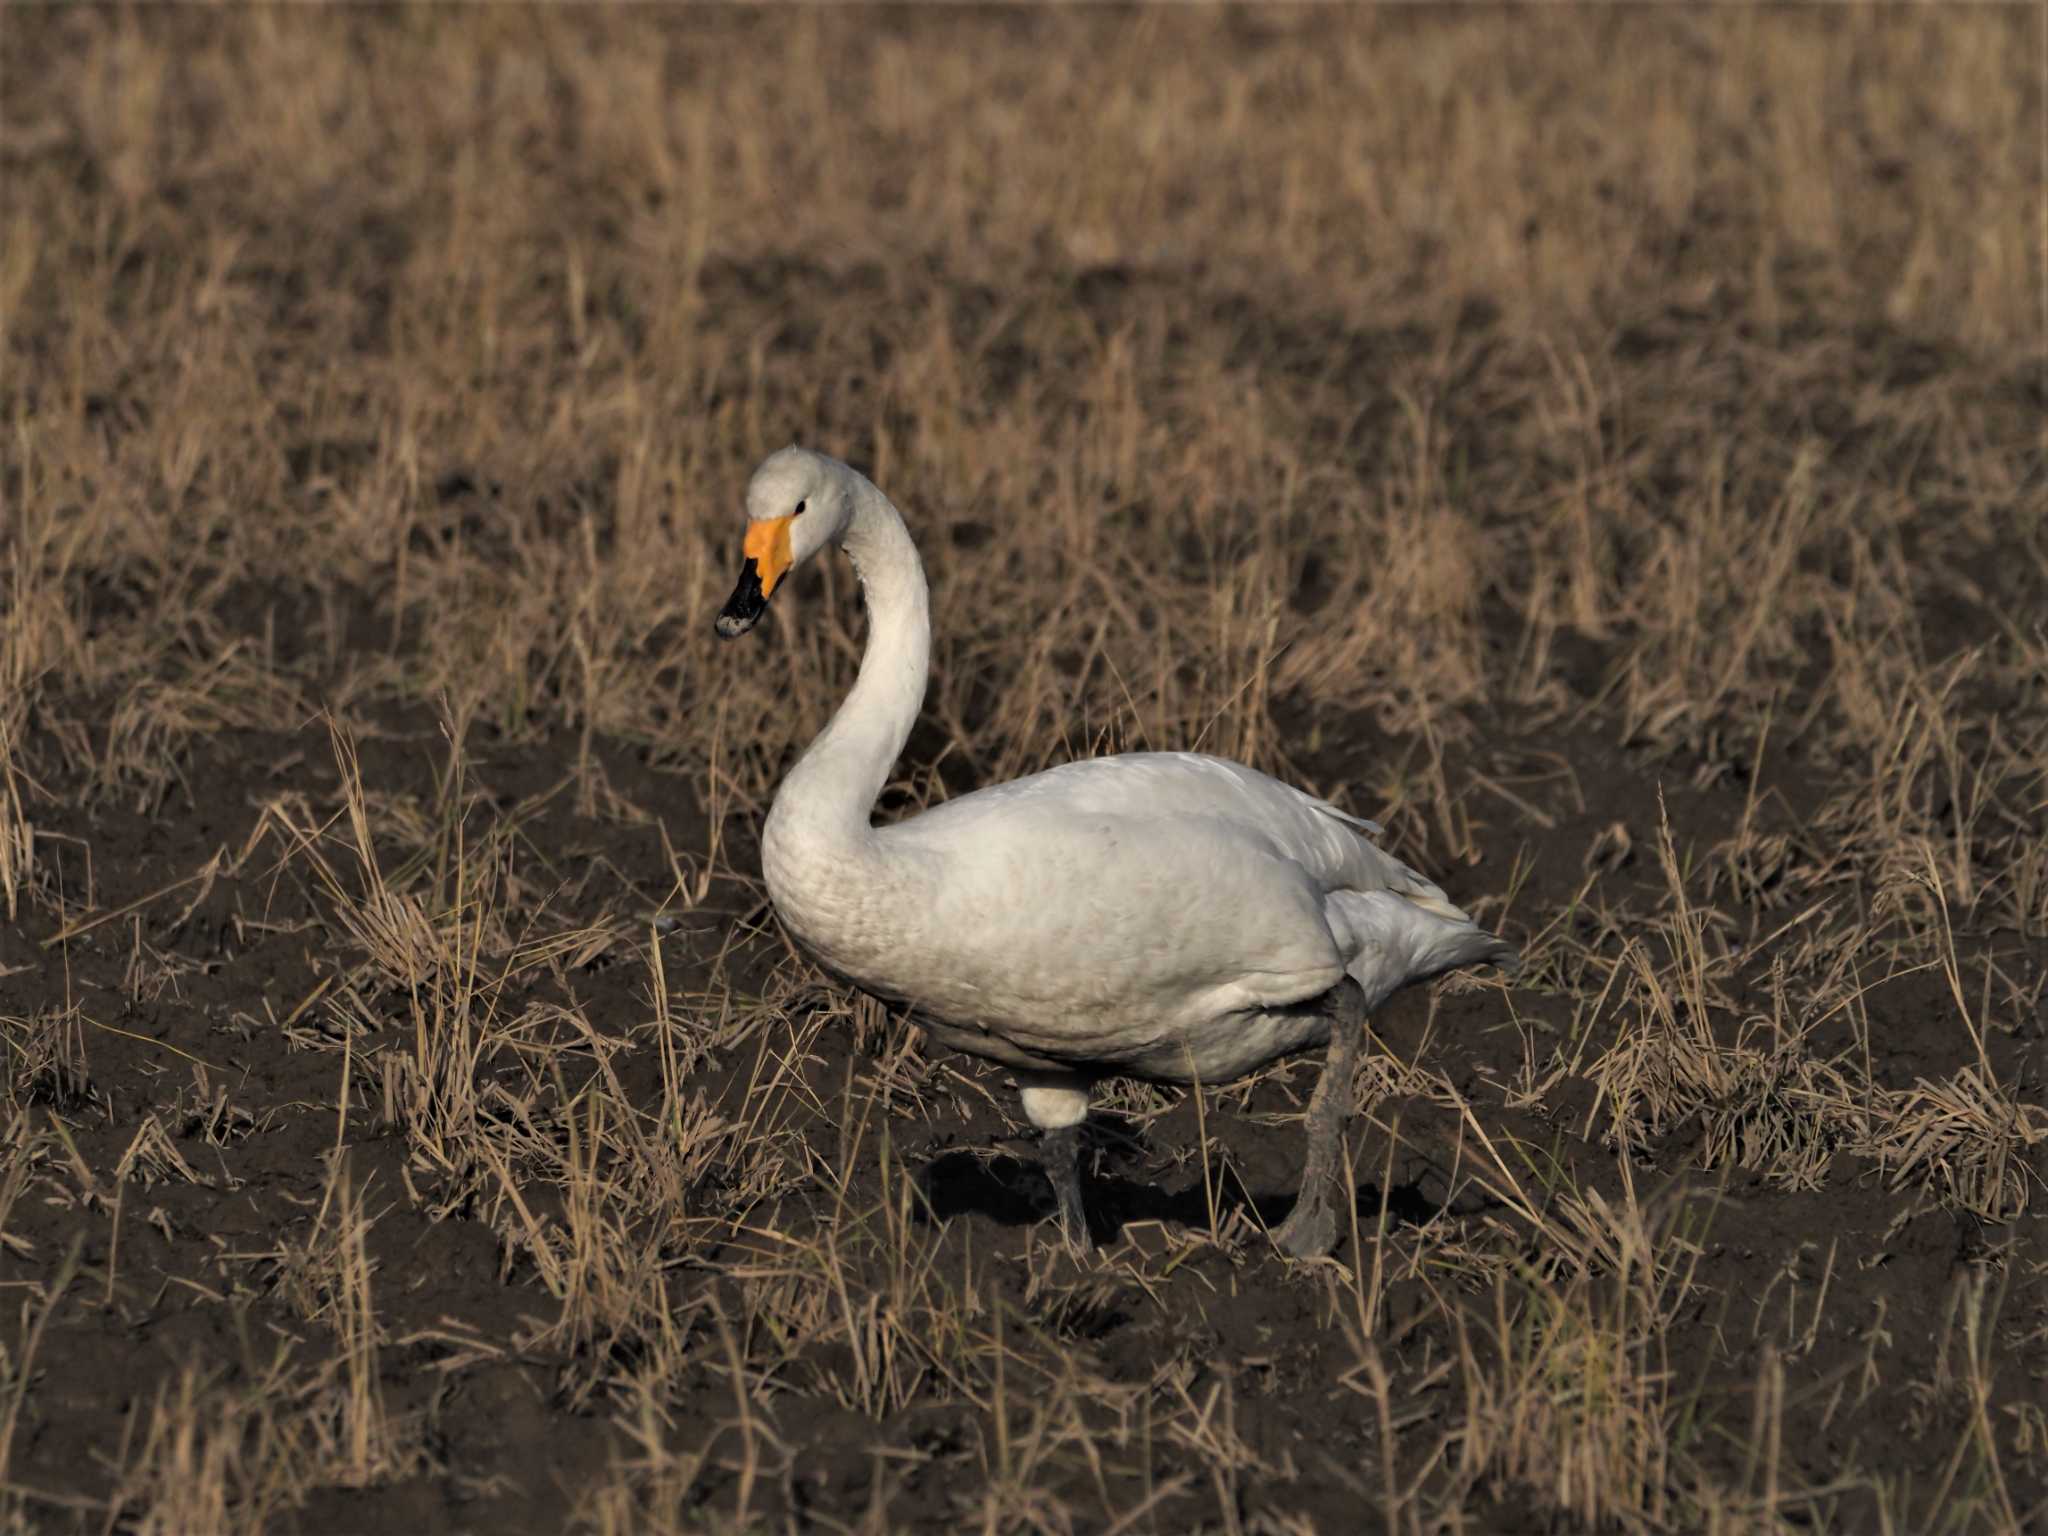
1397 939
1482 948
1471 944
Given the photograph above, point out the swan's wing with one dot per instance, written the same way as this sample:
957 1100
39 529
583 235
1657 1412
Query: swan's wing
1329 843
1149 783
1390 923
1166 911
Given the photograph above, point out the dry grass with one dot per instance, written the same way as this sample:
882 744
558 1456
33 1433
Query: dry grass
1604 445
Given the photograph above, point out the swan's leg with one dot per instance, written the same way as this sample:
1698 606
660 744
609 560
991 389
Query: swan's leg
1057 1104
1310 1230
1061 1153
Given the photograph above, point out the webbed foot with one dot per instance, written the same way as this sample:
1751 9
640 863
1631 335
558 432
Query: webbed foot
1310 1230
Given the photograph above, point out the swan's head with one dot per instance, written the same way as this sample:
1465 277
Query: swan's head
797 503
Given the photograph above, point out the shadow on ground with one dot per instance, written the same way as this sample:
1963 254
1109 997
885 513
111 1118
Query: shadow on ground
1014 1192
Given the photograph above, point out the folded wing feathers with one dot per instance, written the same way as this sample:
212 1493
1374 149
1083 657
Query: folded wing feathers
1330 844
1348 861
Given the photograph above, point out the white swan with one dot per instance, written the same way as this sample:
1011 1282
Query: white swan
1161 915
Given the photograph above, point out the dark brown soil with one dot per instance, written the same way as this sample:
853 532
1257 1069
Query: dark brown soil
1853 1285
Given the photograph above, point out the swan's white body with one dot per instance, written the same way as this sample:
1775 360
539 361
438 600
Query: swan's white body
1162 914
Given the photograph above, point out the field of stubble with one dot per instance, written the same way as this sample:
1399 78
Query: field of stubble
1605 446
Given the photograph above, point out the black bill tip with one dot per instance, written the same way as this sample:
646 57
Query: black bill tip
743 610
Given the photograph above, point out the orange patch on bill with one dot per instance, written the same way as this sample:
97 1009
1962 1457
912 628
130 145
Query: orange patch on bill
767 546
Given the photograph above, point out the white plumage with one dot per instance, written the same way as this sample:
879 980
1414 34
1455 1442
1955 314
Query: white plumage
1166 915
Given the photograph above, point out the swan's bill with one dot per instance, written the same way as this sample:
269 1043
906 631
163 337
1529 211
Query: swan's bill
768 558
746 605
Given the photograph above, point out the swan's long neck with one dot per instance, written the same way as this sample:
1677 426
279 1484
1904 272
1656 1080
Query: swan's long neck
820 818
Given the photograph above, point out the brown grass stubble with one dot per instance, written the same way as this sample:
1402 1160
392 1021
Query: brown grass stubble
1605 447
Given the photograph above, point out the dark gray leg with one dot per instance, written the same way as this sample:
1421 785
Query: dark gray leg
1060 1151
1310 1230
1057 1103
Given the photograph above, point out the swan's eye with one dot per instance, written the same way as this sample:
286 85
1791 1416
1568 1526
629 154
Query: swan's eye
799 512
